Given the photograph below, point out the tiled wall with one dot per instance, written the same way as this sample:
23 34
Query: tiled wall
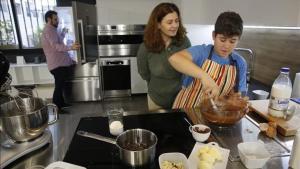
273 48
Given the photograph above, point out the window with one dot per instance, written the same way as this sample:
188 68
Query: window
8 36
30 18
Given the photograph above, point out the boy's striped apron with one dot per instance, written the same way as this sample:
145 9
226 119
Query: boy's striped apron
225 77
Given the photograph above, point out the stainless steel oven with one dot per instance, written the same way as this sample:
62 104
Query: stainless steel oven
117 48
116 76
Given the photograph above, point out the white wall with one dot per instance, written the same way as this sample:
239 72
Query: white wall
299 15
253 12
126 11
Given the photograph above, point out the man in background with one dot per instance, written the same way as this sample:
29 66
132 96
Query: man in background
57 57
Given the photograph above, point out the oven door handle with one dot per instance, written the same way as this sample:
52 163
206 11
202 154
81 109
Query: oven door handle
115 63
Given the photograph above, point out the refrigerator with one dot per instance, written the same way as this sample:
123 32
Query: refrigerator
80 20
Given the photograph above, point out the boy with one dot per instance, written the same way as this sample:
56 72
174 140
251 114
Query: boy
212 70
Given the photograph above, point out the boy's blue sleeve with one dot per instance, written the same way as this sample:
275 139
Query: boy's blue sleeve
197 54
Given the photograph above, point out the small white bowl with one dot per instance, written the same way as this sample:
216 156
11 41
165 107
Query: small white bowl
200 137
260 94
253 154
174 158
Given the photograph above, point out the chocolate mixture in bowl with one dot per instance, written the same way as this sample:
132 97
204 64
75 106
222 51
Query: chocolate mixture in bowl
135 146
202 131
232 108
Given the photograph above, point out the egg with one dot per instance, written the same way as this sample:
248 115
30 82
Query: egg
202 150
215 153
208 158
208 155
204 165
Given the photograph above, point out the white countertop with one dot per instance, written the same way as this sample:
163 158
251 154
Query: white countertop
28 65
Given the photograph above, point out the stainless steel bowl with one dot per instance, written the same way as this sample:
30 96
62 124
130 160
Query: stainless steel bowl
25 119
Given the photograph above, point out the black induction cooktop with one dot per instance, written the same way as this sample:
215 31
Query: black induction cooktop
171 129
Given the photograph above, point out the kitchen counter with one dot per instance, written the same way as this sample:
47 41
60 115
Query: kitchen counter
63 131
30 74
28 65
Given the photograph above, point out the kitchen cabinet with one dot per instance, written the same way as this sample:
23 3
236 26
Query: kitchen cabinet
30 74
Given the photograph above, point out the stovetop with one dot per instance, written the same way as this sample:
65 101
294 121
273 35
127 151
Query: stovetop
171 129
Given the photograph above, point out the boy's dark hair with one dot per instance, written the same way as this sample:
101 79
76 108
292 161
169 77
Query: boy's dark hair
49 14
229 24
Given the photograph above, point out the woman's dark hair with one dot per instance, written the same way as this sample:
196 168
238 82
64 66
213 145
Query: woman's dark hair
229 24
152 36
49 14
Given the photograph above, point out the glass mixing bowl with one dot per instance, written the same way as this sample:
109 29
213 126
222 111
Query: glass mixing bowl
230 110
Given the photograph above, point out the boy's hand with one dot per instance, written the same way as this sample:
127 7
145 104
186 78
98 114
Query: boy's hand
210 88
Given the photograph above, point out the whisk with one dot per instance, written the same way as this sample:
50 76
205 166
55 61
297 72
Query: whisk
18 96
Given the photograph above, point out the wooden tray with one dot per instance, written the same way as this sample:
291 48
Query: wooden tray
286 128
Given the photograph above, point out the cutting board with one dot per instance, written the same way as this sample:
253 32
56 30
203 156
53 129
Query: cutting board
286 128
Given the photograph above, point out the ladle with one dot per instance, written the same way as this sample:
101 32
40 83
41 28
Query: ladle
188 122
214 106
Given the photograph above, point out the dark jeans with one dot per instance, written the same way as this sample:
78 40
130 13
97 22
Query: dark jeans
61 74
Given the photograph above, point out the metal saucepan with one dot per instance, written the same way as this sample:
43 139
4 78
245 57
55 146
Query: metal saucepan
136 146
26 123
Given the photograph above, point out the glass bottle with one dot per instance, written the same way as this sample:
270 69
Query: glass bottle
280 93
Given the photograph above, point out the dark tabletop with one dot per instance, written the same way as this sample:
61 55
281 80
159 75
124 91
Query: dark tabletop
170 128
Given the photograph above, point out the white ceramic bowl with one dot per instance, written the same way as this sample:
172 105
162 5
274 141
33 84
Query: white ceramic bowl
260 94
200 137
253 154
173 157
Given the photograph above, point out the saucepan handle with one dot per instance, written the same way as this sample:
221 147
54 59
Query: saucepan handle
55 110
96 136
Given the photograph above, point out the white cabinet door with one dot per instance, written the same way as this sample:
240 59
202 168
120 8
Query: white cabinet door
138 85
30 74
42 75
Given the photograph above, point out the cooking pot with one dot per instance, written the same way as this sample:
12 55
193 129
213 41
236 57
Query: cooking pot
136 146
25 119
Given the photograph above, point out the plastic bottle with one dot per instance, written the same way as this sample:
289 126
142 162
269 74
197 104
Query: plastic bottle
294 162
280 93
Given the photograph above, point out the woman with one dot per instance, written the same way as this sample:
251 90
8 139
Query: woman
164 35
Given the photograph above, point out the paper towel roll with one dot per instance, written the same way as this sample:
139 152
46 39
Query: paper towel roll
296 86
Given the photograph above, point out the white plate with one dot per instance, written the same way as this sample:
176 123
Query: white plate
193 159
63 165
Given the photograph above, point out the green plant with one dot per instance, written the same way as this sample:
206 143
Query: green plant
37 37
6 33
